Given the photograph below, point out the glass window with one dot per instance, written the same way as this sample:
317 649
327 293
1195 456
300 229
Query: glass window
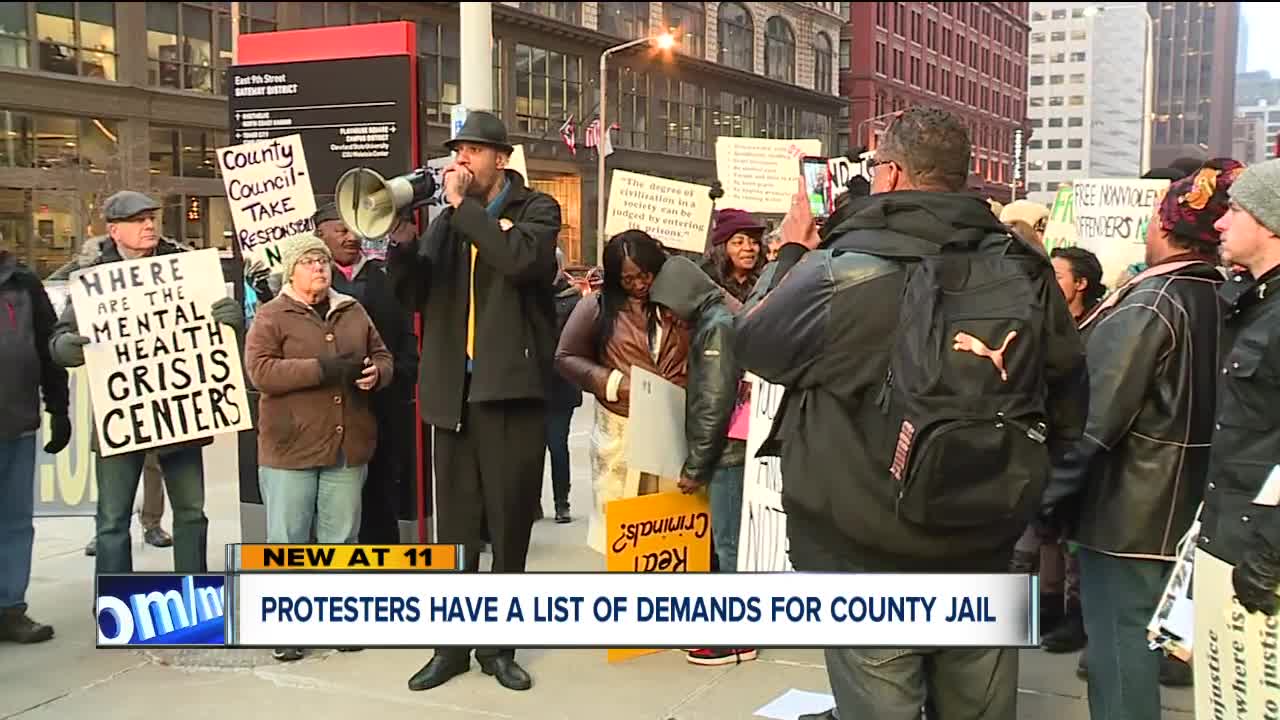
439 75
1075 165
1076 100
736 34
1037 16
1055 122
1078 56
77 38
14 36
1033 187
1079 35
822 57
1036 122
1055 79
1055 101
36 140
1053 165
1035 144
1035 102
1058 36
1037 79
1075 121
1077 13
1058 58
1077 77
628 20
1055 144
1036 59
844 55
548 88
1052 186
568 12
686 22
1037 37
779 50
629 93
682 109
1075 143
1060 14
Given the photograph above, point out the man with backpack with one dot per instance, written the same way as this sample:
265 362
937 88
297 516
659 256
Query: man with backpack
917 426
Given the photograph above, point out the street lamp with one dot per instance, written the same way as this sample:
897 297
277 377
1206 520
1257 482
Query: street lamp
1149 91
665 41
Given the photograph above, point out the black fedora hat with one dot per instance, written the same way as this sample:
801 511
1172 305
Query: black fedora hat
483 128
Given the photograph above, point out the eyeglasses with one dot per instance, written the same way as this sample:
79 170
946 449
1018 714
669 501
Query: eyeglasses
314 261
873 164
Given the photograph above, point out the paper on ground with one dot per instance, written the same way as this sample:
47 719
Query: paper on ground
794 703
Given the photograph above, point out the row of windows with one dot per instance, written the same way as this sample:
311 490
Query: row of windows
985 139
1060 57
1057 122
978 19
1056 144
1048 187
1059 36
1059 14
1054 165
1057 79
928 77
1004 68
1057 101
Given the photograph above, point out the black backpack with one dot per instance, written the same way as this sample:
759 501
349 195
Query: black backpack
963 404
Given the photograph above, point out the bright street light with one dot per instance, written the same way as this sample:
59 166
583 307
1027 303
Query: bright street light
665 41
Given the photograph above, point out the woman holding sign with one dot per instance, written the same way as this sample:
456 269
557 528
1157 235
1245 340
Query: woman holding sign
316 358
607 335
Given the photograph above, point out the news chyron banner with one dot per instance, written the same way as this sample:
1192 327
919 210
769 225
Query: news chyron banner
417 596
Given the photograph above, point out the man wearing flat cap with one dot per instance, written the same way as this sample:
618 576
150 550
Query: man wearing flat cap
1246 442
131 226
481 276
1129 489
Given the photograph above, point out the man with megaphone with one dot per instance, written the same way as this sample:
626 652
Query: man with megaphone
481 277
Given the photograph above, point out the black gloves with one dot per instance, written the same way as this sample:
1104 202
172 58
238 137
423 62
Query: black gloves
340 370
60 429
1256 579
68 349
228 312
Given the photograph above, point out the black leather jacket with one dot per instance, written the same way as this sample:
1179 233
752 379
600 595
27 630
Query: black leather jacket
1138 474
1246 439
714 373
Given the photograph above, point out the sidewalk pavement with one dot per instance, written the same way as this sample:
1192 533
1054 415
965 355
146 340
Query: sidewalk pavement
68 678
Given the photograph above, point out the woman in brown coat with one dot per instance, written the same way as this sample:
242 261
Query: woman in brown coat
608 334
316 359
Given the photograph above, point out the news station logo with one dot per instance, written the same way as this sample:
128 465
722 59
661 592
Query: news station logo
158 609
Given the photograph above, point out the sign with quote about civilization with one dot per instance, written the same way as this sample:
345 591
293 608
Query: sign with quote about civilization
759 175
269 193
161 370
677 214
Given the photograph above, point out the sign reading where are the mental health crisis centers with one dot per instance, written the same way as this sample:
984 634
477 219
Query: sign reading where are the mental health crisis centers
677 214
666 532
161 370
762 539
269 192
759 175
1111 220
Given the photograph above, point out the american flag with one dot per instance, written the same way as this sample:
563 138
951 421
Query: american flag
594 140
569 134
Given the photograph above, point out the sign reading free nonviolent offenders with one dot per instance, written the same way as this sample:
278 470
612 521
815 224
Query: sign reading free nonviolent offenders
677 214
759 175
161 369
269 192
1111 220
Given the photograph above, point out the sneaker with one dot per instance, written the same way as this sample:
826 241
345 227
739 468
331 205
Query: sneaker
720 656
16 626
157 537
562 516
287 654
1082 668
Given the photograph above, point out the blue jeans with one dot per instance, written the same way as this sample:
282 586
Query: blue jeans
118 478
17 504
558 446
1119 596
726 514
329 496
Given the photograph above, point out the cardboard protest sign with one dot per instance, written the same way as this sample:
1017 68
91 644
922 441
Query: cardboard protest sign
762 540
842 169
1111 220
1237 666
269 193
760 175
677 214
666 532
1060 230
161 370
655 436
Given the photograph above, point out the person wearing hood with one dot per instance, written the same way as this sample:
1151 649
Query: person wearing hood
736 254
715 461
563 397
827 332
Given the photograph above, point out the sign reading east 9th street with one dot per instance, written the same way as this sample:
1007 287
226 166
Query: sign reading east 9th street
350 113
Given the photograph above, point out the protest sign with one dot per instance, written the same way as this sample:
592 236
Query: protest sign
66 484
760 175
762 540
269 193
655 436
1060 230
677 214
1237 667
161 370
517 163
666 532
1111 220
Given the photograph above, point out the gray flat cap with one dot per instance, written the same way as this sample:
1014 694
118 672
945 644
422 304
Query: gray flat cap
127 203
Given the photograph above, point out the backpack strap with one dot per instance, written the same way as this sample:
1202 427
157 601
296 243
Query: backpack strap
1115 297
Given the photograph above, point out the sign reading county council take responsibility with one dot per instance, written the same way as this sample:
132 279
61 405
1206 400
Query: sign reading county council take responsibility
161 369
269 192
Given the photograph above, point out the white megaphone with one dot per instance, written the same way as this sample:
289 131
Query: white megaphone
368 203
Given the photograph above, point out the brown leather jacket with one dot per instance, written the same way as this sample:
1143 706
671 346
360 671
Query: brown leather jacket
577 360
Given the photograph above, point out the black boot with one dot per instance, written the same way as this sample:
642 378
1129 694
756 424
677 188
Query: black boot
507 671
17 627
1068 637
442 668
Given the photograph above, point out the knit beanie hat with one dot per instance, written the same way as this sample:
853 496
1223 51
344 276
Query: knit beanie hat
296 248
731 222
1192 205
1257 190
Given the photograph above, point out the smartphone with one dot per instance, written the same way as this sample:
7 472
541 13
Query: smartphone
817 184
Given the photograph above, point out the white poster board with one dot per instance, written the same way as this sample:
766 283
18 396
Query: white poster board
1111 219
1237 666
517 162
762 541
759 175
269 192
161 370
677 214
655 436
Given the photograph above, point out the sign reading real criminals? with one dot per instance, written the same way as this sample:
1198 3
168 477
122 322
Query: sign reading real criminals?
350 113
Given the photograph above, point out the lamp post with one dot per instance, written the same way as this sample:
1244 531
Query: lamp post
663 42
1149 89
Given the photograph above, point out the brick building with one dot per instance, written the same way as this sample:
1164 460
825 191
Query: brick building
970 58
98 96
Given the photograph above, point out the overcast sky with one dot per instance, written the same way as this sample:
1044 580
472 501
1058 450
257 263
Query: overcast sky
1263 18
